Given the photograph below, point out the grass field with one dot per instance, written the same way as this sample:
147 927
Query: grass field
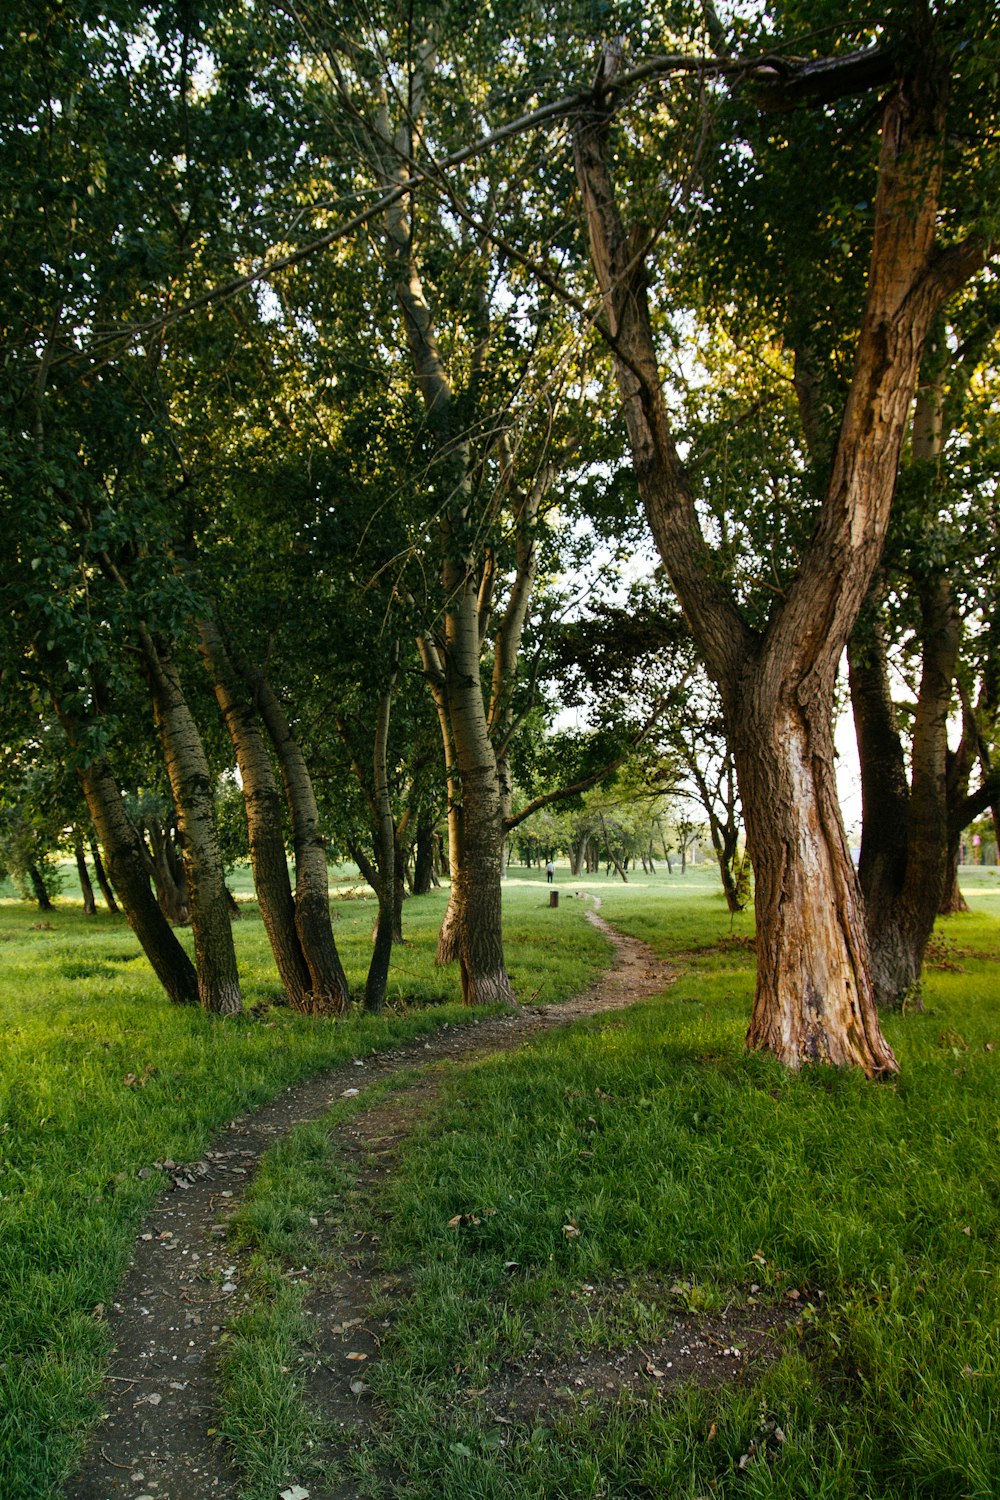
691 1170
100 1077
699 1179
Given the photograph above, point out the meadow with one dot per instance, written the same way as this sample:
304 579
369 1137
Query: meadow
696 1179
860 1221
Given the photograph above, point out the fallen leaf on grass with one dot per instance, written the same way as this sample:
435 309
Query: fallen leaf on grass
295 1492
571 1230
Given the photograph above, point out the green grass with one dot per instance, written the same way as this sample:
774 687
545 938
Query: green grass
81 1013
684 1160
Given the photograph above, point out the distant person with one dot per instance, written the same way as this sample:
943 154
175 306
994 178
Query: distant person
550 871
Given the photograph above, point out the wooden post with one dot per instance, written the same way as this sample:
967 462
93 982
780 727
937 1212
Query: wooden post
553 898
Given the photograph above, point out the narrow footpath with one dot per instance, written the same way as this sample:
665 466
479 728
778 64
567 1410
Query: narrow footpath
157 1402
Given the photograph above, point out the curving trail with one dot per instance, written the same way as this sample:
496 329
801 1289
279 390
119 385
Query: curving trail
152 1441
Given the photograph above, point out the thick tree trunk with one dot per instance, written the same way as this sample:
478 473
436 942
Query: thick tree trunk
191 786
86 888
102 877
312 887
128 872
262 800
38 886
814 1000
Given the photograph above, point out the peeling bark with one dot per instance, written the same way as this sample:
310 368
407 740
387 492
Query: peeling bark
815 997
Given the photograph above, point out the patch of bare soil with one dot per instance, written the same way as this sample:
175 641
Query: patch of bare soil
706 1350
156 1405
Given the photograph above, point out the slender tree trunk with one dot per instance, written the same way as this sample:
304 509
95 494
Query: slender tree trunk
312 887
262 800
89 903
473 927
102 878
191 785
952 900
423 858
378 969
612 856
127 869
38 886
904 850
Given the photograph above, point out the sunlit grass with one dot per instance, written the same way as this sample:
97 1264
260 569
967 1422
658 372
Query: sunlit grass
100 1076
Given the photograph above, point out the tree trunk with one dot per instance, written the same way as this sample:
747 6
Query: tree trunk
262 800
102 877
128 872
423 858
904 848
473 927
191 785
815 999
169 880
38 886
312 888
89 903
386 852
952 900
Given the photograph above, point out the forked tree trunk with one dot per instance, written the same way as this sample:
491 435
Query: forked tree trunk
262 800
191 786
169 880
312 887
815 998
86 888
128 871
102 877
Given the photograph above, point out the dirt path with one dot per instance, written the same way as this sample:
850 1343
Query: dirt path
183 1286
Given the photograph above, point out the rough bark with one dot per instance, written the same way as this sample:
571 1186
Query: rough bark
86 888
102 877
815 998
328 983
127 869
262 800
191 786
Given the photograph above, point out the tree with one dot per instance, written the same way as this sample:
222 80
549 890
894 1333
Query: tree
815 999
